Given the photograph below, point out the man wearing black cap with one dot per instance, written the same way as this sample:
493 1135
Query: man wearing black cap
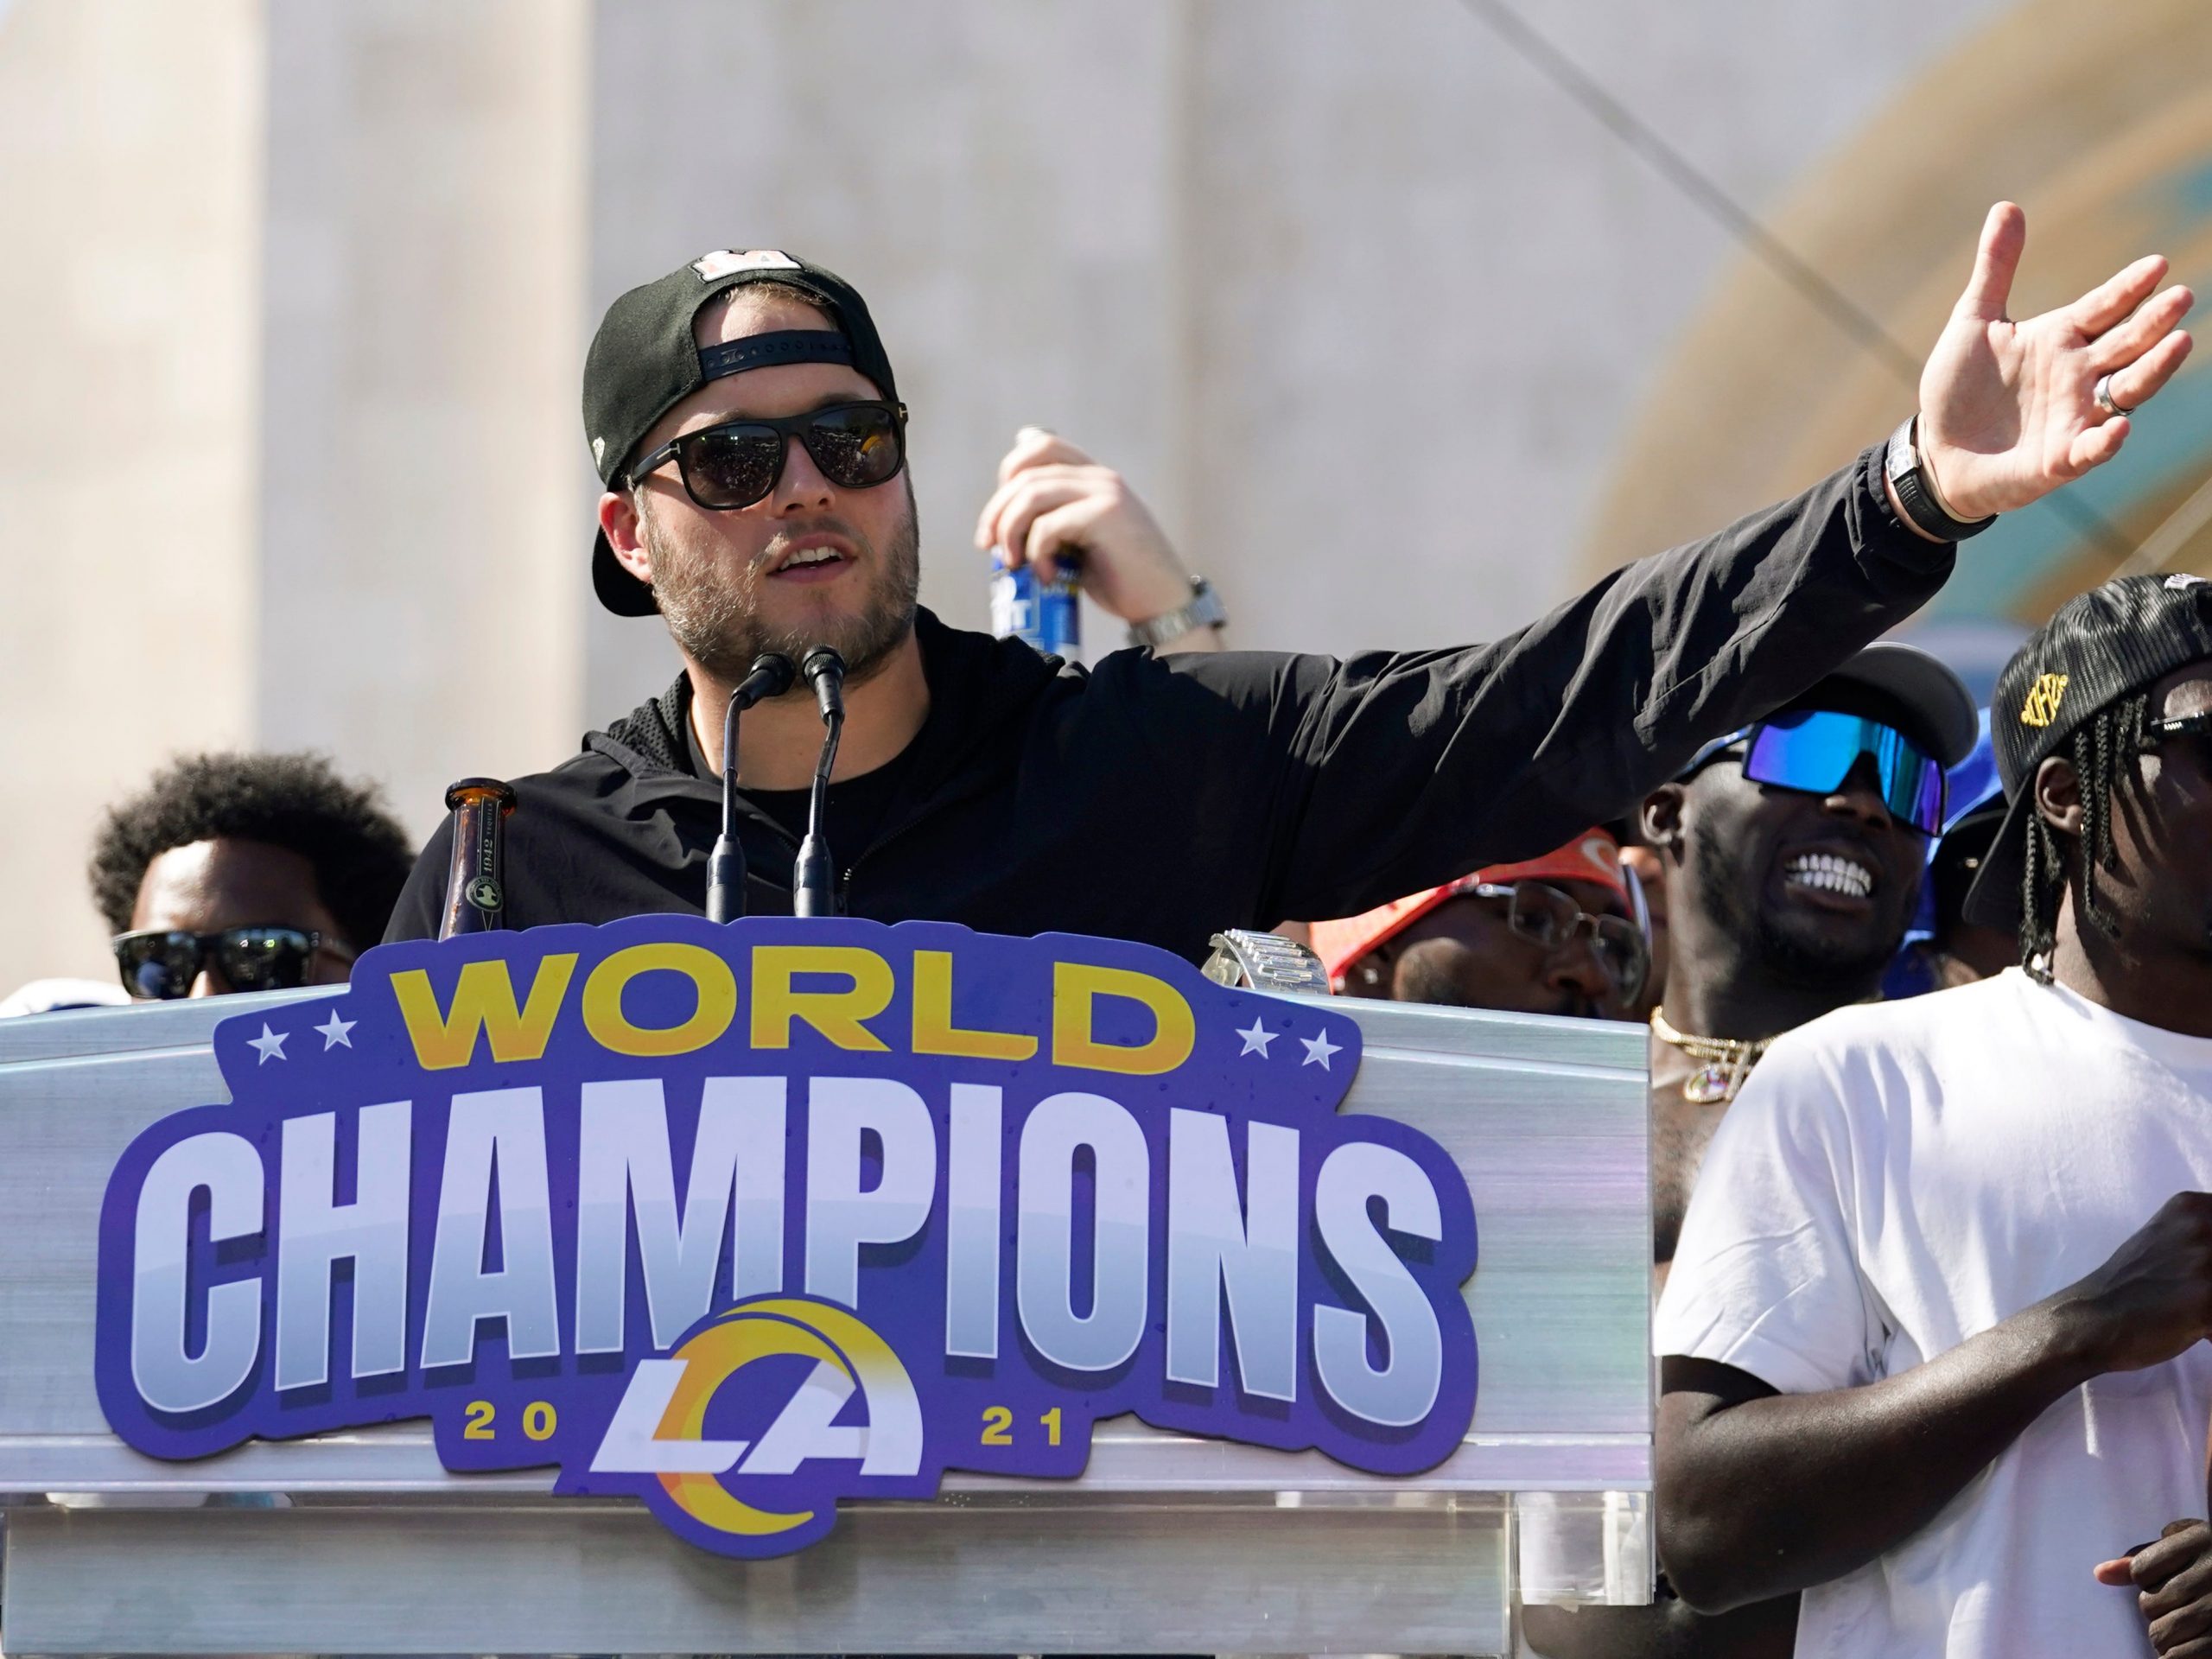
1793 852
1932 1349
744 419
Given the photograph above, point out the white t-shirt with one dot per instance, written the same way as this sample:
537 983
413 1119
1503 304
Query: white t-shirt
1898 1178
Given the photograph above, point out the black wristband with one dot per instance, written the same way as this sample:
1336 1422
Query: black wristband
1902 463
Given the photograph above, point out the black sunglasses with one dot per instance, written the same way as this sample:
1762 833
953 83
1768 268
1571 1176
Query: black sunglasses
1547 918
855 446
160 965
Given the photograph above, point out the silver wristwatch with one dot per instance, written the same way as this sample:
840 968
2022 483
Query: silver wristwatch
1205 610
1267 962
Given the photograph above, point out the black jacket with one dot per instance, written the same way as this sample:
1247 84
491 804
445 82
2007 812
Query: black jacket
1163 799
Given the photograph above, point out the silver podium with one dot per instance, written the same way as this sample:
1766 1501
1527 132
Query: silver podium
362 1543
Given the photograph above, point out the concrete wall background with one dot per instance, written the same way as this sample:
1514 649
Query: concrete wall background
131 144
423 259
1360 302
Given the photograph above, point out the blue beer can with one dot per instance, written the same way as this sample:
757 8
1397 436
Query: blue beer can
1046 614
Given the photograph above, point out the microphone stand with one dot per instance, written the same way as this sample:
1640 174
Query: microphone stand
771 677
813 891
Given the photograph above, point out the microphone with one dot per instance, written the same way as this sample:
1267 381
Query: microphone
771 677
812 888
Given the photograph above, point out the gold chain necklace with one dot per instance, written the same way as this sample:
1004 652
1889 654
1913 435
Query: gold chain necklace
1726 1062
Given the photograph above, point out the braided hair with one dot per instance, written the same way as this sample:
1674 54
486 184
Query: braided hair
2103 745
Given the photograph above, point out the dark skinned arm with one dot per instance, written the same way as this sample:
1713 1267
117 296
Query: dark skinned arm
1762 1493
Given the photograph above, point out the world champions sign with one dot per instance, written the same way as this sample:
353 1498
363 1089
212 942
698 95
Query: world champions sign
744 1220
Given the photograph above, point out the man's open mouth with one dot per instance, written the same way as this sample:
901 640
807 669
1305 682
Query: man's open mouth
818 561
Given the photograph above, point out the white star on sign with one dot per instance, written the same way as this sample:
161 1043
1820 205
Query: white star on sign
1317 1049
269 1043
335 1034
1257 1039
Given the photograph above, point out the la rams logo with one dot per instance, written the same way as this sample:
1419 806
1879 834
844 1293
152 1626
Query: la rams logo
787 1373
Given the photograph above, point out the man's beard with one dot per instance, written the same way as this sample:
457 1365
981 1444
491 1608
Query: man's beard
1729 892
713 610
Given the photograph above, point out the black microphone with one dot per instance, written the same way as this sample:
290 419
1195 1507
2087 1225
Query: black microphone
771 677
812 886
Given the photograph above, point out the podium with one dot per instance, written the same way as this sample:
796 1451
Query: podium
362 1542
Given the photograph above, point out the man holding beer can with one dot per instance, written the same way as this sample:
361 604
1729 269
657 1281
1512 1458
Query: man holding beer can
743 417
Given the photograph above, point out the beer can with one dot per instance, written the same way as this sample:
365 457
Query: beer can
1046 614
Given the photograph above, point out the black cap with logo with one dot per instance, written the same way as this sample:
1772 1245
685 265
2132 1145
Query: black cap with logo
2099 647
645 360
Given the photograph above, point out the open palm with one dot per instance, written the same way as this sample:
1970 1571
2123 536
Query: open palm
2008 409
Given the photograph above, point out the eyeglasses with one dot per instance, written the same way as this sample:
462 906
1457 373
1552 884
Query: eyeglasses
1815 750
160 966
856 446
1544 916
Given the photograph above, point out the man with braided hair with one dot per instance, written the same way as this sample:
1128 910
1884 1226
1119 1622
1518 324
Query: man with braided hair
1923 1358
2110 738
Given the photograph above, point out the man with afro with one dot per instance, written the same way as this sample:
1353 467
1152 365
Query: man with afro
246 871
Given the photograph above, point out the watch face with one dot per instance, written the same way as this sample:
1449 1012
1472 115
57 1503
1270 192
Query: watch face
1921 505
1901 458
1205 610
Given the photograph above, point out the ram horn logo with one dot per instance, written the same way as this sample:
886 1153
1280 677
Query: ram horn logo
660 1427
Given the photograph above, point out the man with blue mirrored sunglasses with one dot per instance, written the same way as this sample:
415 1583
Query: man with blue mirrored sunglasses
1816 749
1792 852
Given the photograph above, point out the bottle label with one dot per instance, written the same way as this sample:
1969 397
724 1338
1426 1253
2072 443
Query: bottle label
1046 614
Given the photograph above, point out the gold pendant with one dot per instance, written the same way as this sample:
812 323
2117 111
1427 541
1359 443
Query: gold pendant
1710 1087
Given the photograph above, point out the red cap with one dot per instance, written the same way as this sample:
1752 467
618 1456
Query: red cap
1593 855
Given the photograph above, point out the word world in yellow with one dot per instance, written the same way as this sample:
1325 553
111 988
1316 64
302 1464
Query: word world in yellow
782 990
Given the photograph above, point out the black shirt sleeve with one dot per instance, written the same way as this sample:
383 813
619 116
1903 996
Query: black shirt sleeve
415 915
1388 772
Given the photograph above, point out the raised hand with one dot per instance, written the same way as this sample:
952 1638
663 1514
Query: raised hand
1054 506
2008 410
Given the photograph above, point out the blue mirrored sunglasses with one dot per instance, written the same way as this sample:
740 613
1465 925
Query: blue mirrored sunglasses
1815 750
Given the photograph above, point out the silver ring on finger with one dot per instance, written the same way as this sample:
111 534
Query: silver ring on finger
2102 394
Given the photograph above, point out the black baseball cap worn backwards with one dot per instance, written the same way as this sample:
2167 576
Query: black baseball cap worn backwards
643 361
2099 647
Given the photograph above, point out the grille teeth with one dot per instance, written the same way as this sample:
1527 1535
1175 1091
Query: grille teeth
1830 874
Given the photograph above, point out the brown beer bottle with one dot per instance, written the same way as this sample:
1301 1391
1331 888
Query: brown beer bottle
476 894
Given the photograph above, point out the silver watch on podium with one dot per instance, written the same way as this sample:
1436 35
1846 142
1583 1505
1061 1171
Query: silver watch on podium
1205 610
